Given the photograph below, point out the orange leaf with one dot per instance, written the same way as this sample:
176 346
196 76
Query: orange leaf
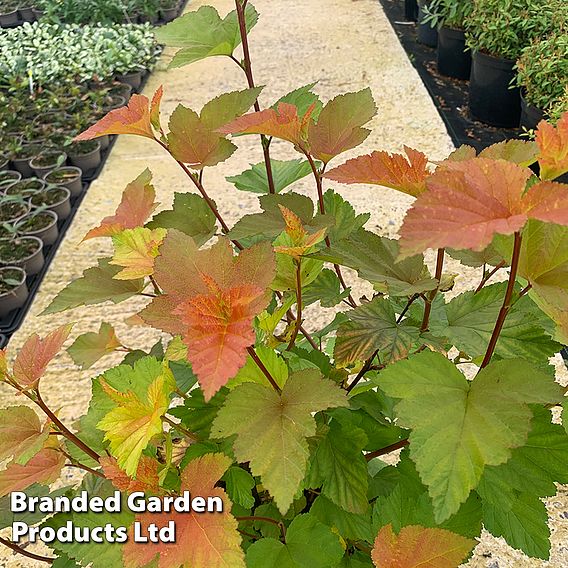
155 107
404 173
553 145
21 433
136 205
301 240
135 118
203 540
146 475
211 298
283 123
416 546
468 202
44 468
36 353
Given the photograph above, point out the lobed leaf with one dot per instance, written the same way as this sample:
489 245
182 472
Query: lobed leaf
21 433
136 205
88 348
553 146
403 173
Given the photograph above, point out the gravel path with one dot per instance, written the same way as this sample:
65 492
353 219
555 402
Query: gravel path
345 45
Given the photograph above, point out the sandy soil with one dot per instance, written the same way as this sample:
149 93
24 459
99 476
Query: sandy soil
345 45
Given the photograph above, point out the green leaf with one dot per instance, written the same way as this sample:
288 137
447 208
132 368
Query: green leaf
373 327
326 289
458 426
88 348
190 214
524 524
346 220
471 318
196 414
309 544
184 375
284 173
488 256
349 525
251 373
408 503
338 466
226 107
302 98
240 484
374 259
271 428
95 286
203 34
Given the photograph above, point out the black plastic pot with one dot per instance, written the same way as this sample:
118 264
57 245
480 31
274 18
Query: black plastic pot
41 169
27 14
104 141
169 14
10 176
88 161
4 162
530 115
16 297
427 34
8 19
411 10
31 264
48 234
453 59
133 79
26 187
73 184
490 99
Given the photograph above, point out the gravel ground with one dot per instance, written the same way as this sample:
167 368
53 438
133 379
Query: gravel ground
345 45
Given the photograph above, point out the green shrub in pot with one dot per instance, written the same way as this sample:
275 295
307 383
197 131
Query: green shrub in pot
542 72
449 13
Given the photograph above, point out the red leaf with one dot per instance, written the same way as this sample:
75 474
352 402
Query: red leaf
206 540
135 118
416 546
283 123
36 353
44 467
21 433
404 173
338 127
136 205
468 202
210 298
553 145
146 475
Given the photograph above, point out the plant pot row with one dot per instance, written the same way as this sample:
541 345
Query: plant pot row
14 14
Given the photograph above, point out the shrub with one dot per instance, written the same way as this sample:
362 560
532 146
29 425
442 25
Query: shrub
502 28
50 53
449 13
542 71
287 425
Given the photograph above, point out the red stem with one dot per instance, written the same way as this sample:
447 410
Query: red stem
13 546
430 299
506 301
386 450
264 370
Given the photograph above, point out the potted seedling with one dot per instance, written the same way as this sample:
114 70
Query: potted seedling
149 11
66 176
24 252
132 78
41 223
54 198
9 13
13 289
542 74
85 155
168 10
22 156
453 59
25 188
12 208
497 31
46 161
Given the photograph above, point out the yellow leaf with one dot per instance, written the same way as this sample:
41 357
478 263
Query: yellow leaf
135 250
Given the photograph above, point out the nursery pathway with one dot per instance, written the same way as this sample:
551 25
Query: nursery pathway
345 45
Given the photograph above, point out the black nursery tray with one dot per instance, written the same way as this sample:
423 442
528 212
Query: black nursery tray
449 95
